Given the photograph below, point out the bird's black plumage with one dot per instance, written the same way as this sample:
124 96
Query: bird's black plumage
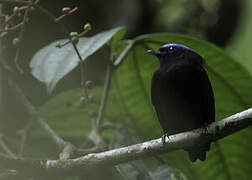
182 94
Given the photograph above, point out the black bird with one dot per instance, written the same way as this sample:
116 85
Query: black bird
182 94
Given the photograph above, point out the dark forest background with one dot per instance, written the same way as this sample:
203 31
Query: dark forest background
226 24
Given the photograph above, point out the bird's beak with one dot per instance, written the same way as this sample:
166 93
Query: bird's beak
154 52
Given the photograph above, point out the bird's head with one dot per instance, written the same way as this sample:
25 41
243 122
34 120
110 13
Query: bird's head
176 52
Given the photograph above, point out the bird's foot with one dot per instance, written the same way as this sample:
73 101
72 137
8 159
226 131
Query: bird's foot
164 136
205 129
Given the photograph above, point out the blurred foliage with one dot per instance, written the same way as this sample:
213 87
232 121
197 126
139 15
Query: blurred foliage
240 47
209 19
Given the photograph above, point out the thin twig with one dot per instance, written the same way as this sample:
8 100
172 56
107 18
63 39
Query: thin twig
15 14
52 17
80 62
23 133
95 136
70 40
12 27
105 94
125 52
55 138
6 148
15 1
67 149
3 34
21 35
64 15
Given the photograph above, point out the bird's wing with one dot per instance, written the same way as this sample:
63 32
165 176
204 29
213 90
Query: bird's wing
183 97
160 100
209 107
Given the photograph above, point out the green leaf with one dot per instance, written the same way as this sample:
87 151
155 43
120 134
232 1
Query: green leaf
113 43
240 46
229 158
50 64
69 117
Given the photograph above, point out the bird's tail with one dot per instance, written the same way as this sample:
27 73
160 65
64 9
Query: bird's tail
198 152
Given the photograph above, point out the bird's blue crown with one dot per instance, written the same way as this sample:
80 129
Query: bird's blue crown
177 45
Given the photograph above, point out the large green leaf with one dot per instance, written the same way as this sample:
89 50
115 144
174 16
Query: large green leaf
50 63
70 117
229 158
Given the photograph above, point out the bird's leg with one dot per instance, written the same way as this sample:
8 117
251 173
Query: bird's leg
204 132
164 136
205 128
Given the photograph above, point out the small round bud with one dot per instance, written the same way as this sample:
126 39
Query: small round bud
16 42
87 27
75 39
72 34
15 10
89 84
66 10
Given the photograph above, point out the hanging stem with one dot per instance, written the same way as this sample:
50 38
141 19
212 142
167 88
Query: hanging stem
105 95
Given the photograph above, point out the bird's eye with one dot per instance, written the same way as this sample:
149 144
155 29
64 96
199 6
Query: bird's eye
171 49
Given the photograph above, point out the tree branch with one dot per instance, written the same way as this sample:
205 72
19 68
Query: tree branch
213 132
